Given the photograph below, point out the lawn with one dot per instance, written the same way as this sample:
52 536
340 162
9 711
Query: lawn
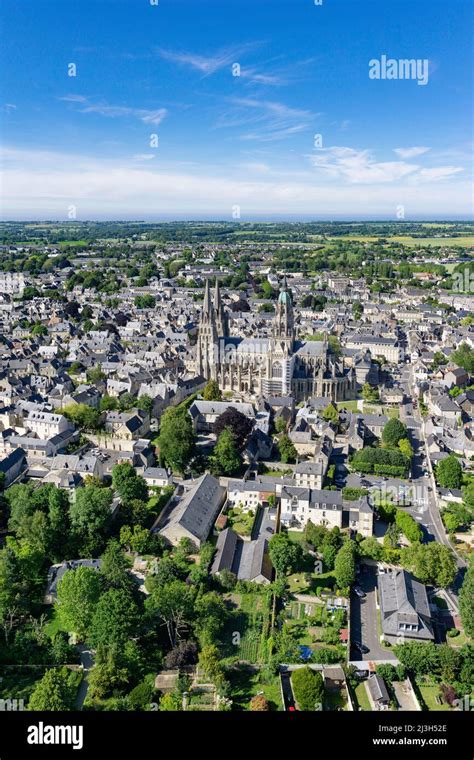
458 641
297 536
245 684
310 583
362 698
429 692
335 700
54 624
240 521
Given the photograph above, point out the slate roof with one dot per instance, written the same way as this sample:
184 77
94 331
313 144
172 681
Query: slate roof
404 601
196 512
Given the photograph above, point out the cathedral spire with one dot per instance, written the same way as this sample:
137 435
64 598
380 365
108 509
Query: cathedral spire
217 295
206 307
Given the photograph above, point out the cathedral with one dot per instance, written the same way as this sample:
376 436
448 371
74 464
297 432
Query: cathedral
277 365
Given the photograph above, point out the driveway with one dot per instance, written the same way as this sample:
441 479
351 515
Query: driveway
87 662
364 621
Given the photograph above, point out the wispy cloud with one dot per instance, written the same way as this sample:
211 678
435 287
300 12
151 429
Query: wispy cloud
411 152
8 107
209 64
360 167
265 73
85 105
265 120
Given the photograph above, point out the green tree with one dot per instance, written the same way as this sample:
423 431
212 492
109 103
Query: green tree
370 394
90 518
466 599
408 526
212 391
78 594
129 485
393 432
308 688
115 567
170 703
284 554
331 414
464 357
406 448
115 617
370 547
287 450
345 565
431 563
176 439
449 472
172 604
211 614
83 416
210 662
54 692
226 458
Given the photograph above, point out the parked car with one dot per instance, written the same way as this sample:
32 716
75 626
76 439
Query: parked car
361 594
360 647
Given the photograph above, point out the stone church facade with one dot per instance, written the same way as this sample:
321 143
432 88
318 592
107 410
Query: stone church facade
277 365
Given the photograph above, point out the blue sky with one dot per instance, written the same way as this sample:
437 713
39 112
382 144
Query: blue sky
235 144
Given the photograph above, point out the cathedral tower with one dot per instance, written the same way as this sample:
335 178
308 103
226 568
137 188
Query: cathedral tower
284 324
207 338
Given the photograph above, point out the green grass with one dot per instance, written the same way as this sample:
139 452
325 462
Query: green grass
335 700
54 624
429 693
297 536
458 641
362 698
466 241
245 684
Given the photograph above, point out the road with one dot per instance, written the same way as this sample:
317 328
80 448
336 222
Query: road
430 515
364 617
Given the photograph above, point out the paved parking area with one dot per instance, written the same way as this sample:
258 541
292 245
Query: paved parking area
364 621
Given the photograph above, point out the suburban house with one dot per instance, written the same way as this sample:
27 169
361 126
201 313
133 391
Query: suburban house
248 560
157 477
194 514
404 608
56 572
378 693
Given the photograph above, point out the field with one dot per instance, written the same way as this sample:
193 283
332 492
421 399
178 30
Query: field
464 241
243 636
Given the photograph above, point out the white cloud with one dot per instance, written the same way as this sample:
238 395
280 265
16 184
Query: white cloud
360 167
144 156
105 109
9 107
439 172
42 184
410 152
206 64
265 120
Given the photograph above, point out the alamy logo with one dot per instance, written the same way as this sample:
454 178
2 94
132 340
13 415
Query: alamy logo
12 705
403 68
42 734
